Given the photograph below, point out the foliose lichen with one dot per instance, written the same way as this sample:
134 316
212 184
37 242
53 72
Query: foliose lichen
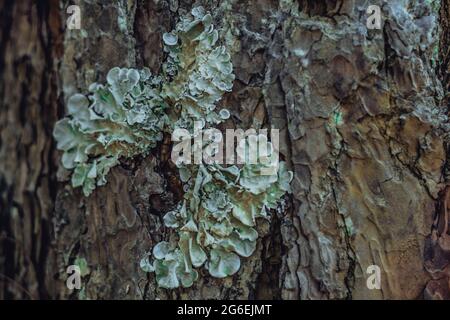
215 222
123 118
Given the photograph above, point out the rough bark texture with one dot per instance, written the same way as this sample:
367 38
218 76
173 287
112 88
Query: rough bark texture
363 119
30 46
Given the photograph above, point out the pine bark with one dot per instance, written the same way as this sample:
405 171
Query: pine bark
363 120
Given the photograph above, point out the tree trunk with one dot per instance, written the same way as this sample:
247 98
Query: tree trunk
363 121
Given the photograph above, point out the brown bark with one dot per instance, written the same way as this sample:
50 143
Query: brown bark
437 245
29 95
363 128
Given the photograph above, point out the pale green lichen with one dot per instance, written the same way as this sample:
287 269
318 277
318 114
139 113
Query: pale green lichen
215 223
83 265
123 118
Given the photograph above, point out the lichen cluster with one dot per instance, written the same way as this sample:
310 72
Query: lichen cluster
215 222
123 118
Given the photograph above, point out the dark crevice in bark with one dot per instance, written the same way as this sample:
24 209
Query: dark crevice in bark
51 40
267 284
443 67
6 23
7 241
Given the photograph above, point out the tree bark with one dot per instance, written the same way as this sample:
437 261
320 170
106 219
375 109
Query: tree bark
363 121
